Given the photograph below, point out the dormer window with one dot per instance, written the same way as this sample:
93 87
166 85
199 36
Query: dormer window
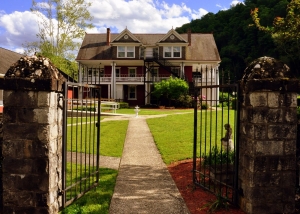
172 52
126 52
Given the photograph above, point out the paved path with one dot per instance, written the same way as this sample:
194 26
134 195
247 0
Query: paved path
144 184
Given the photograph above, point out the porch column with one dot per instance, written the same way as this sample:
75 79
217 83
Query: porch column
268 132
182 70
113 81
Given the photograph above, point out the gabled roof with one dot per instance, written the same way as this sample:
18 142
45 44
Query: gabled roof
202 48
7 59
125 33
175 35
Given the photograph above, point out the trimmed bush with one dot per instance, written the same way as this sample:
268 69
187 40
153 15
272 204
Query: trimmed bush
185 101
124 105
204 105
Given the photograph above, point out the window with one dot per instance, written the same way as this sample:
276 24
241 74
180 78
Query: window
126 51
121 51
130 52
172 52
168 51
117 72
176 51
131 72
131 92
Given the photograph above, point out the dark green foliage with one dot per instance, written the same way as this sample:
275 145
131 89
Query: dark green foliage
204 105
217 156
219 203
185 101
124 105
86 108
238 40
170 89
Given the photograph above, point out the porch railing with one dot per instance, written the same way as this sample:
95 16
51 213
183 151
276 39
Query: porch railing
124 78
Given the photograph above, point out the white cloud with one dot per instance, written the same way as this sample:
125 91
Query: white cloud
232 4
19 50
198 14
18 28
139 16
235 2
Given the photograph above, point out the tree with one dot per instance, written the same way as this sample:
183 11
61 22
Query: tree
285 32
62 24
238 40
170 89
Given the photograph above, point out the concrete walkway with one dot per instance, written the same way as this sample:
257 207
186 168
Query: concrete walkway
144 184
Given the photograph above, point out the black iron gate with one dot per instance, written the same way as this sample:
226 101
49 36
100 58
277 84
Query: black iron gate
215 161
81 140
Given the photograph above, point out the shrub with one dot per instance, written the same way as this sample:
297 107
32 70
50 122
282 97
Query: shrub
223 97
124 105
149 105
185 101
216 157
204 105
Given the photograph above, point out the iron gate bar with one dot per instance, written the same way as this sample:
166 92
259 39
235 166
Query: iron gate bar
227 190
86 175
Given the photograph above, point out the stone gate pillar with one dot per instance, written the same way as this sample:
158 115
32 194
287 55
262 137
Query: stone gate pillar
32 138
268 130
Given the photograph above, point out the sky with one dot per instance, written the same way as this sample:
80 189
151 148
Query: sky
18 25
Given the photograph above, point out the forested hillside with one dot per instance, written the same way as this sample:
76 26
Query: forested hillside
238 39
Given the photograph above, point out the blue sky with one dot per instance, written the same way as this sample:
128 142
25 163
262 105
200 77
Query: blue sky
18 25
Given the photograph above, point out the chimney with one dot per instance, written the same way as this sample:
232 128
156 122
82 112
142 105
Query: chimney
108 37
189 36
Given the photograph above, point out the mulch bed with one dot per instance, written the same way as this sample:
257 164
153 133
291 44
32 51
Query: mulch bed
196 199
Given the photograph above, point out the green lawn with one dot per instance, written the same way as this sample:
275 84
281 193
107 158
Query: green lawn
97 200
82 137
173 134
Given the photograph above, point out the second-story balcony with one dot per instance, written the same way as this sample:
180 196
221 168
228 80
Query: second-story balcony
125 78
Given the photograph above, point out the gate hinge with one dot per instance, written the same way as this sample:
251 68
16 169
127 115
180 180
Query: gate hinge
60 96
60 192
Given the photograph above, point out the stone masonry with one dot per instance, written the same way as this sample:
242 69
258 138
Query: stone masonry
32 141
268 130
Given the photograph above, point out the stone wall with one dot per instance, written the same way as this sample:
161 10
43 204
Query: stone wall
32 136
268 130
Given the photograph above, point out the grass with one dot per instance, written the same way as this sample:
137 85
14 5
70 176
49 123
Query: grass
176 141
97 200
112 137
82 137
